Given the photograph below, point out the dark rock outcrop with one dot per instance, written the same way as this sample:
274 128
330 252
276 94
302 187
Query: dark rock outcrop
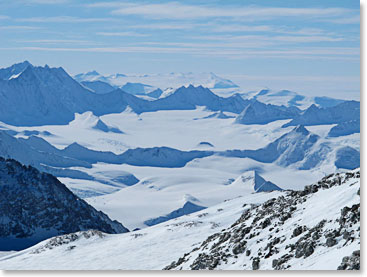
35 206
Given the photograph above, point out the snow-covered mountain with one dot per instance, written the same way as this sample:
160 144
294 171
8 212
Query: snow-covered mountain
98 87
292 99
344 112
301 149
187 98
163 81
345 128
266 231
40 154
43 95
253 182
88 119
260 113
187 208
13 71
347 157
137 88
286 150
35 206
161 156
14 148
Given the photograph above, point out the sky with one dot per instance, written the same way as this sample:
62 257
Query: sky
310 46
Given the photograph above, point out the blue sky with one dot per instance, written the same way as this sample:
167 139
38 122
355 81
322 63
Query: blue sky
309 46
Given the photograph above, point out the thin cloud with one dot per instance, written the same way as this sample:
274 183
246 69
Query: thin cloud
19 27
274 39
47 2
57 41
170 26
122 34
175 10
332 54
345 20
65 19
307 78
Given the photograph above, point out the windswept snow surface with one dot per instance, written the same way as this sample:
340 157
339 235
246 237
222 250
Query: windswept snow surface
160 190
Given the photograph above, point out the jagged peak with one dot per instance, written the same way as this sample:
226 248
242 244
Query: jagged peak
27 73
311 108
73 146
93 72
263 91
301 129
254 182
25 63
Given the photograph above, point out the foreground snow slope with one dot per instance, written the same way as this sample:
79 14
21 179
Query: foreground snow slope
268 222
310 229
151 248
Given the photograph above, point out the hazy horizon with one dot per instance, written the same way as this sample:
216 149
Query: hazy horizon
312 47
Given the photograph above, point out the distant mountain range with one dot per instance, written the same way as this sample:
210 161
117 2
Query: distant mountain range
140 84
290 98
41 95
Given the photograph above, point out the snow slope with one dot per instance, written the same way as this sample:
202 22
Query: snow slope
255 229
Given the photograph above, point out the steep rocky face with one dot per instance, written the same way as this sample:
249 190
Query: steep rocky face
297 230
35 206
